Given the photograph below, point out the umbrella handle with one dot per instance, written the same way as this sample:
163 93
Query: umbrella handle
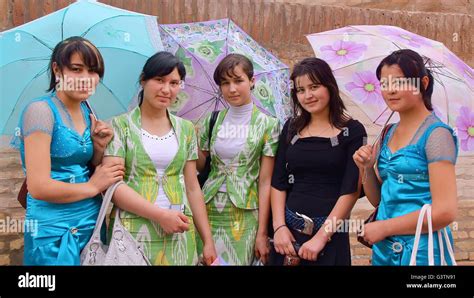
91 110
364 177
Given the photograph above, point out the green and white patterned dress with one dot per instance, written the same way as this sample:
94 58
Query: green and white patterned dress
233 215
141 175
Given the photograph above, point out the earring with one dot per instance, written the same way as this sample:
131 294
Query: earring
57 79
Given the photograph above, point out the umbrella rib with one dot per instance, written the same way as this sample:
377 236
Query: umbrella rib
380 115
227 38
21 94
447 76
200 117
26 59
198 106
445 94
272 70
222 102
359 62
101 21
39 40
192 55
130 51
111 92
62 22
200 89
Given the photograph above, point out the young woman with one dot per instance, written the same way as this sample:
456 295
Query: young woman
242 146
162 200
414 165
58 143
314 174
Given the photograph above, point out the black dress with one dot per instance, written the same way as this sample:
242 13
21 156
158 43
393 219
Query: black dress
315 172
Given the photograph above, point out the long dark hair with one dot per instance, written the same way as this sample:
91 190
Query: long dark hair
159 65
412 66
319 72
63 52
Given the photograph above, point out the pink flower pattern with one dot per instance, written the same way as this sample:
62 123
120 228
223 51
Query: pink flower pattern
365 88
465 128
341 52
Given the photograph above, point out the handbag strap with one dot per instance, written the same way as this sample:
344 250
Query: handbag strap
212 122
426 209
450 248
103 209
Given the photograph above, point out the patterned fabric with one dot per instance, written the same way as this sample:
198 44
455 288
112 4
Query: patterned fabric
405 189
140 172
201 46
161 248
141 175
59 231
241 174
233 229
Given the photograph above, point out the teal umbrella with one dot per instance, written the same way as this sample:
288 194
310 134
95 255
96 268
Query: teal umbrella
125 39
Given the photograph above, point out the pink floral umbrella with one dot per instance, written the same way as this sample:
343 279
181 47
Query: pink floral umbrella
354 53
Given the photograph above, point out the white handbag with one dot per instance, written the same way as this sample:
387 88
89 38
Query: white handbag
123 249
427 209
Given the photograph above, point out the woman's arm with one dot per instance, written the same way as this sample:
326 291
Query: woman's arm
444 207
101 135
283 239
201 162
196 202
42 187
264 187
126 198
371 185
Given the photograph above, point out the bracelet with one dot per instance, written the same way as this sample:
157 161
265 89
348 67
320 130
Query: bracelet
327 235
274 232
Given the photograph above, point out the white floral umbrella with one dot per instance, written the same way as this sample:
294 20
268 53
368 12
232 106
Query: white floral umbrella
354 52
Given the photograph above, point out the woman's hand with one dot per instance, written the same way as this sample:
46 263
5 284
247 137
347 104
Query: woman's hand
364 158
374 232
173 221
311 248
104 176
209 253
101 133
262 249
283 241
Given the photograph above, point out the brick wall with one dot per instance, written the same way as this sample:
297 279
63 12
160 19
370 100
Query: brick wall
279 27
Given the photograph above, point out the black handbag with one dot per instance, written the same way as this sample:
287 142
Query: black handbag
204 174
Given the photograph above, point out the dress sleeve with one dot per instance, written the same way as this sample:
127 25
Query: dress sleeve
36 117
441 146
118 145
192 143
270 138
280 178
355 140
203 134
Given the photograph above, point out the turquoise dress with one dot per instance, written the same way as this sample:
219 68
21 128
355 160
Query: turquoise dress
57 233
406 188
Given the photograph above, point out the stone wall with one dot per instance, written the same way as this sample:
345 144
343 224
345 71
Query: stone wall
280 27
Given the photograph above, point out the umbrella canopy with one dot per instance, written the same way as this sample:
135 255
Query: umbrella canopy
125 39
201 46
354 52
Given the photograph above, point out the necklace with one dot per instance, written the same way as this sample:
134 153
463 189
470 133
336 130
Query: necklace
318 134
